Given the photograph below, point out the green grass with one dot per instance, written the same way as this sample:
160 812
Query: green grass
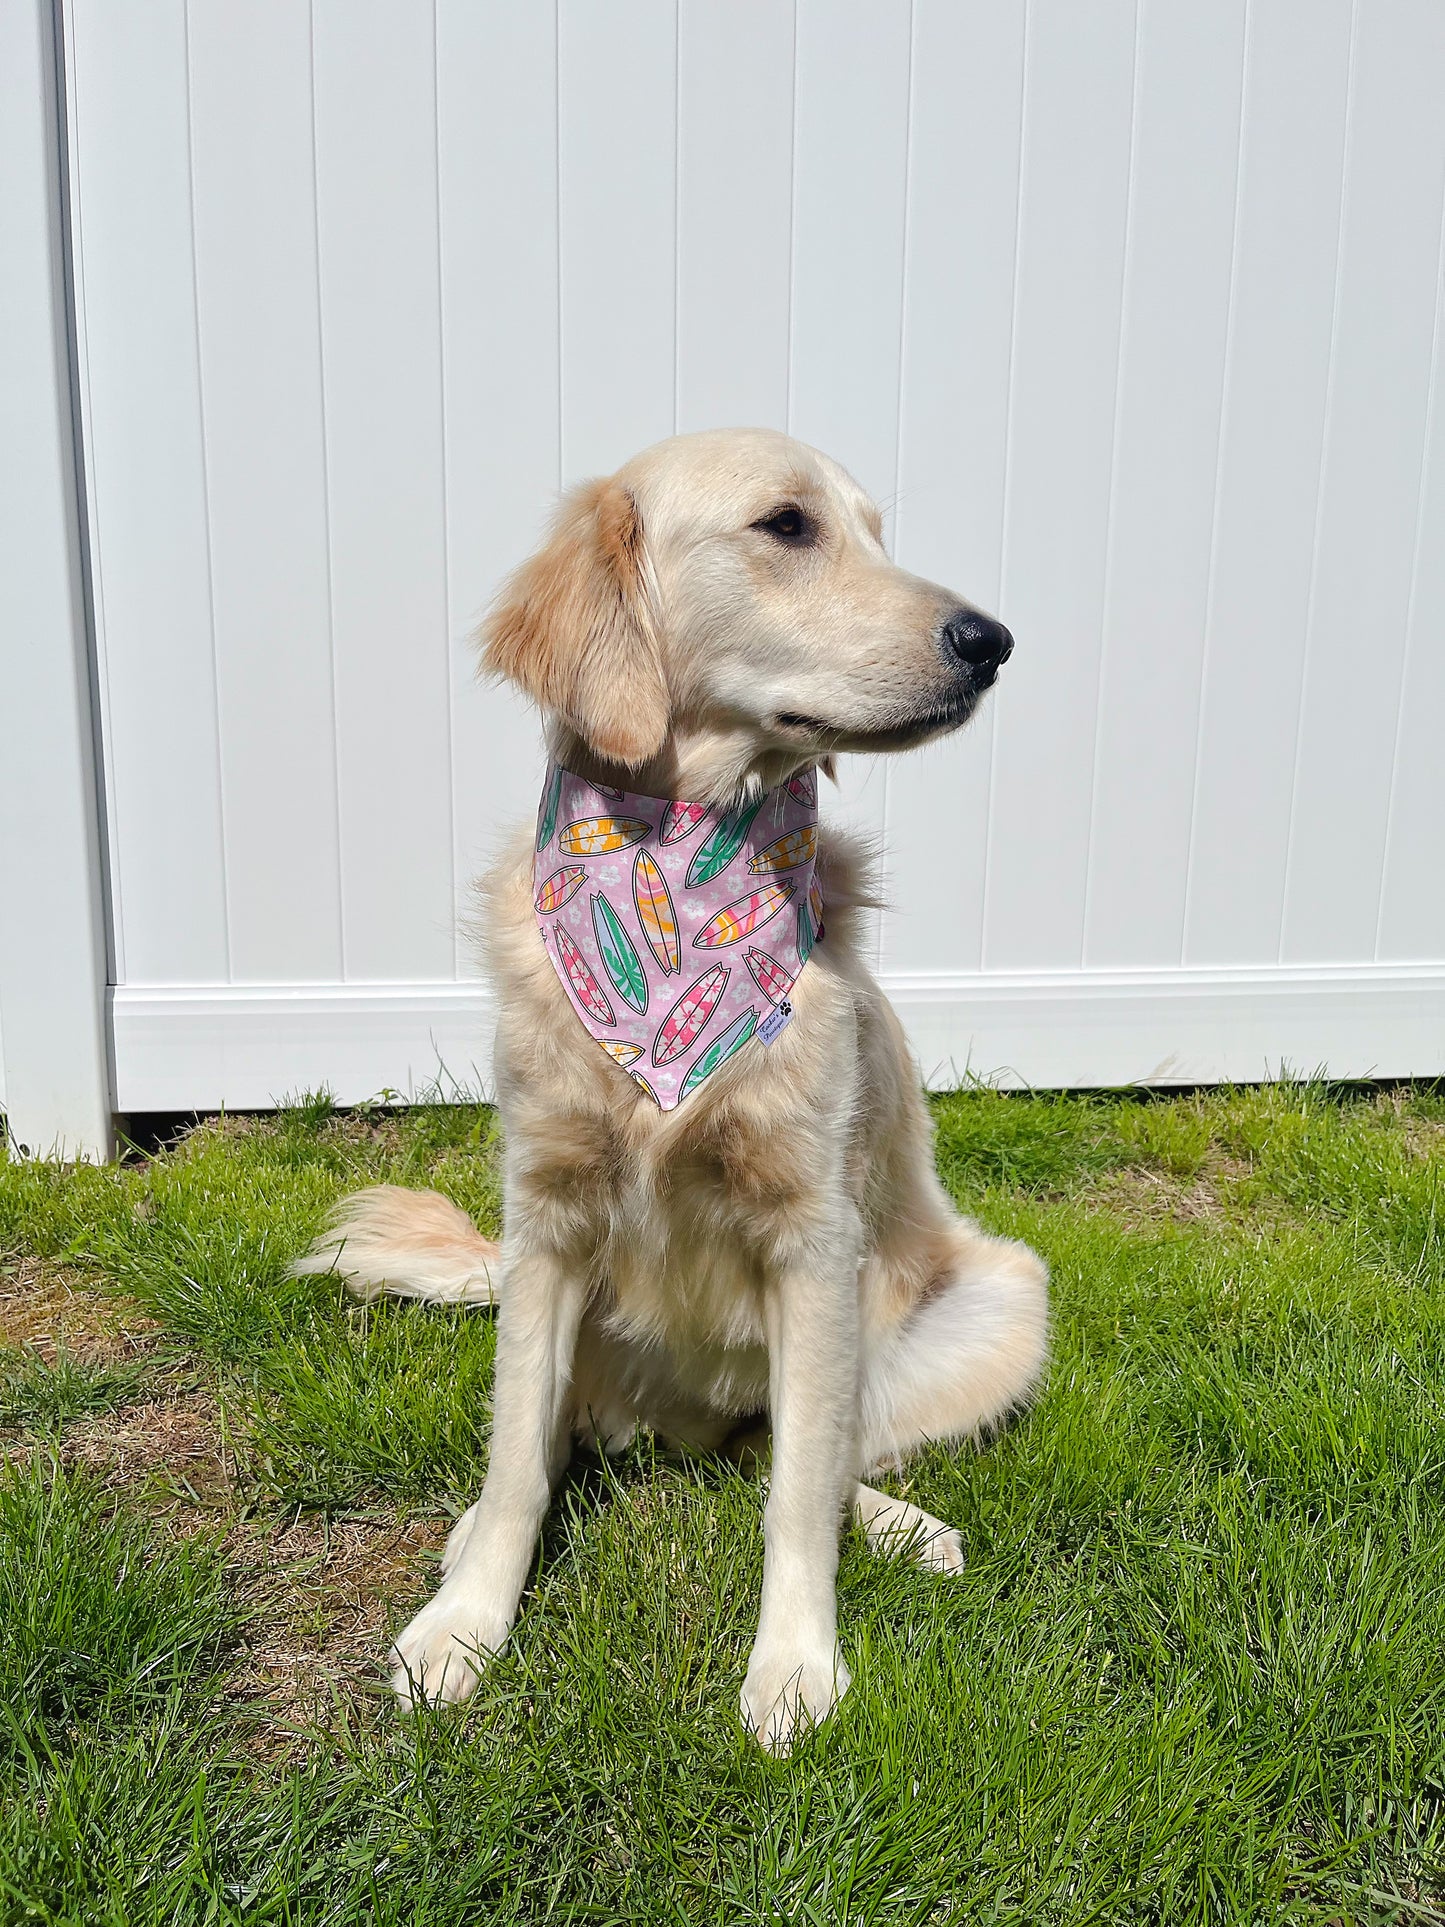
103 1617
41 1392
1195 1670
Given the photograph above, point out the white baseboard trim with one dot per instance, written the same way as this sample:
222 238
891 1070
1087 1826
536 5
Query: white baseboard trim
1091 1028
181 1047
243 1047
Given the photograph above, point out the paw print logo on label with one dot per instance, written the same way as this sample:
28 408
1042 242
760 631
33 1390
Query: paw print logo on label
777 1019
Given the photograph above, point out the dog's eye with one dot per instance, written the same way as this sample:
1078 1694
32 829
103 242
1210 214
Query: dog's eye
788 524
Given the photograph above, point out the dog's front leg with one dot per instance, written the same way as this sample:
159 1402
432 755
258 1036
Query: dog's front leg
440 1651
796 1672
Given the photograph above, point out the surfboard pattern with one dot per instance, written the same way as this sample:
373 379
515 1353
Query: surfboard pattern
722 846
601 835
769 976
738 920
547 815
790 852
560 888
688 1018
732 1039
626 886
656 914
619 955
585 987
679 820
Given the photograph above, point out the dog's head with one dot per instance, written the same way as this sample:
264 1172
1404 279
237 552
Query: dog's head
722 608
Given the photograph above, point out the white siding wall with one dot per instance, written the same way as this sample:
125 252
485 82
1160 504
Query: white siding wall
1129 314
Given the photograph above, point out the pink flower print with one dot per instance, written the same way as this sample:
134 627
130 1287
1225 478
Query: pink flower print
609 873
694 910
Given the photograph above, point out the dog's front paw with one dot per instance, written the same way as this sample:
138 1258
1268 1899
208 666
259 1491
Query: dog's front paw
789 1691
440 1655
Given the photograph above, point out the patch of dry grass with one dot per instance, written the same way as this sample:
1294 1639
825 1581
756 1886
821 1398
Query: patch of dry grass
321 1604
48 1308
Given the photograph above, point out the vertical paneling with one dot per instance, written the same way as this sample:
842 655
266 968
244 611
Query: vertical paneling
734 211
1412 903
849 186
1076 149
1282 330
1354 648
617 122
1126 313
497 163
1176 307
850 180
145 436
380 332
260 368
953 397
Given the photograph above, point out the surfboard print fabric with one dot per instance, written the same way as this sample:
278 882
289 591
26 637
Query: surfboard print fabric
663 920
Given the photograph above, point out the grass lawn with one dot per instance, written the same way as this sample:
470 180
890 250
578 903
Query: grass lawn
1195 1670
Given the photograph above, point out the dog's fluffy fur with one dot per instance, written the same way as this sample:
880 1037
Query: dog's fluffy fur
715 617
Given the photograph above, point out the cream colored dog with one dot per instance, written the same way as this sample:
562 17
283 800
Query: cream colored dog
717 616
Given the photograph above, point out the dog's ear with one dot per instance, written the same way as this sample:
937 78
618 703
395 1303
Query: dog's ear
574 627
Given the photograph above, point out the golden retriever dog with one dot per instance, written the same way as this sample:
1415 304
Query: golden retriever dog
710 622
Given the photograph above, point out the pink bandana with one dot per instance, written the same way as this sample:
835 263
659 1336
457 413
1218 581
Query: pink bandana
678 931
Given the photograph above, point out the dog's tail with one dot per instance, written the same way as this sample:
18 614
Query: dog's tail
413 1244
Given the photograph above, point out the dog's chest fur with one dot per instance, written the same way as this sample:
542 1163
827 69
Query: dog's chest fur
686 1234
679 1218
671 1265
673 1289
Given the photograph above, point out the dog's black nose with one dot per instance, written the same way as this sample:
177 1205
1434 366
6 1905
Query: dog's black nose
976 642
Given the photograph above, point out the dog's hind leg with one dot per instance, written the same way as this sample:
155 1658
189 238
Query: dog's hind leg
409 1244
971 1348
897 1529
